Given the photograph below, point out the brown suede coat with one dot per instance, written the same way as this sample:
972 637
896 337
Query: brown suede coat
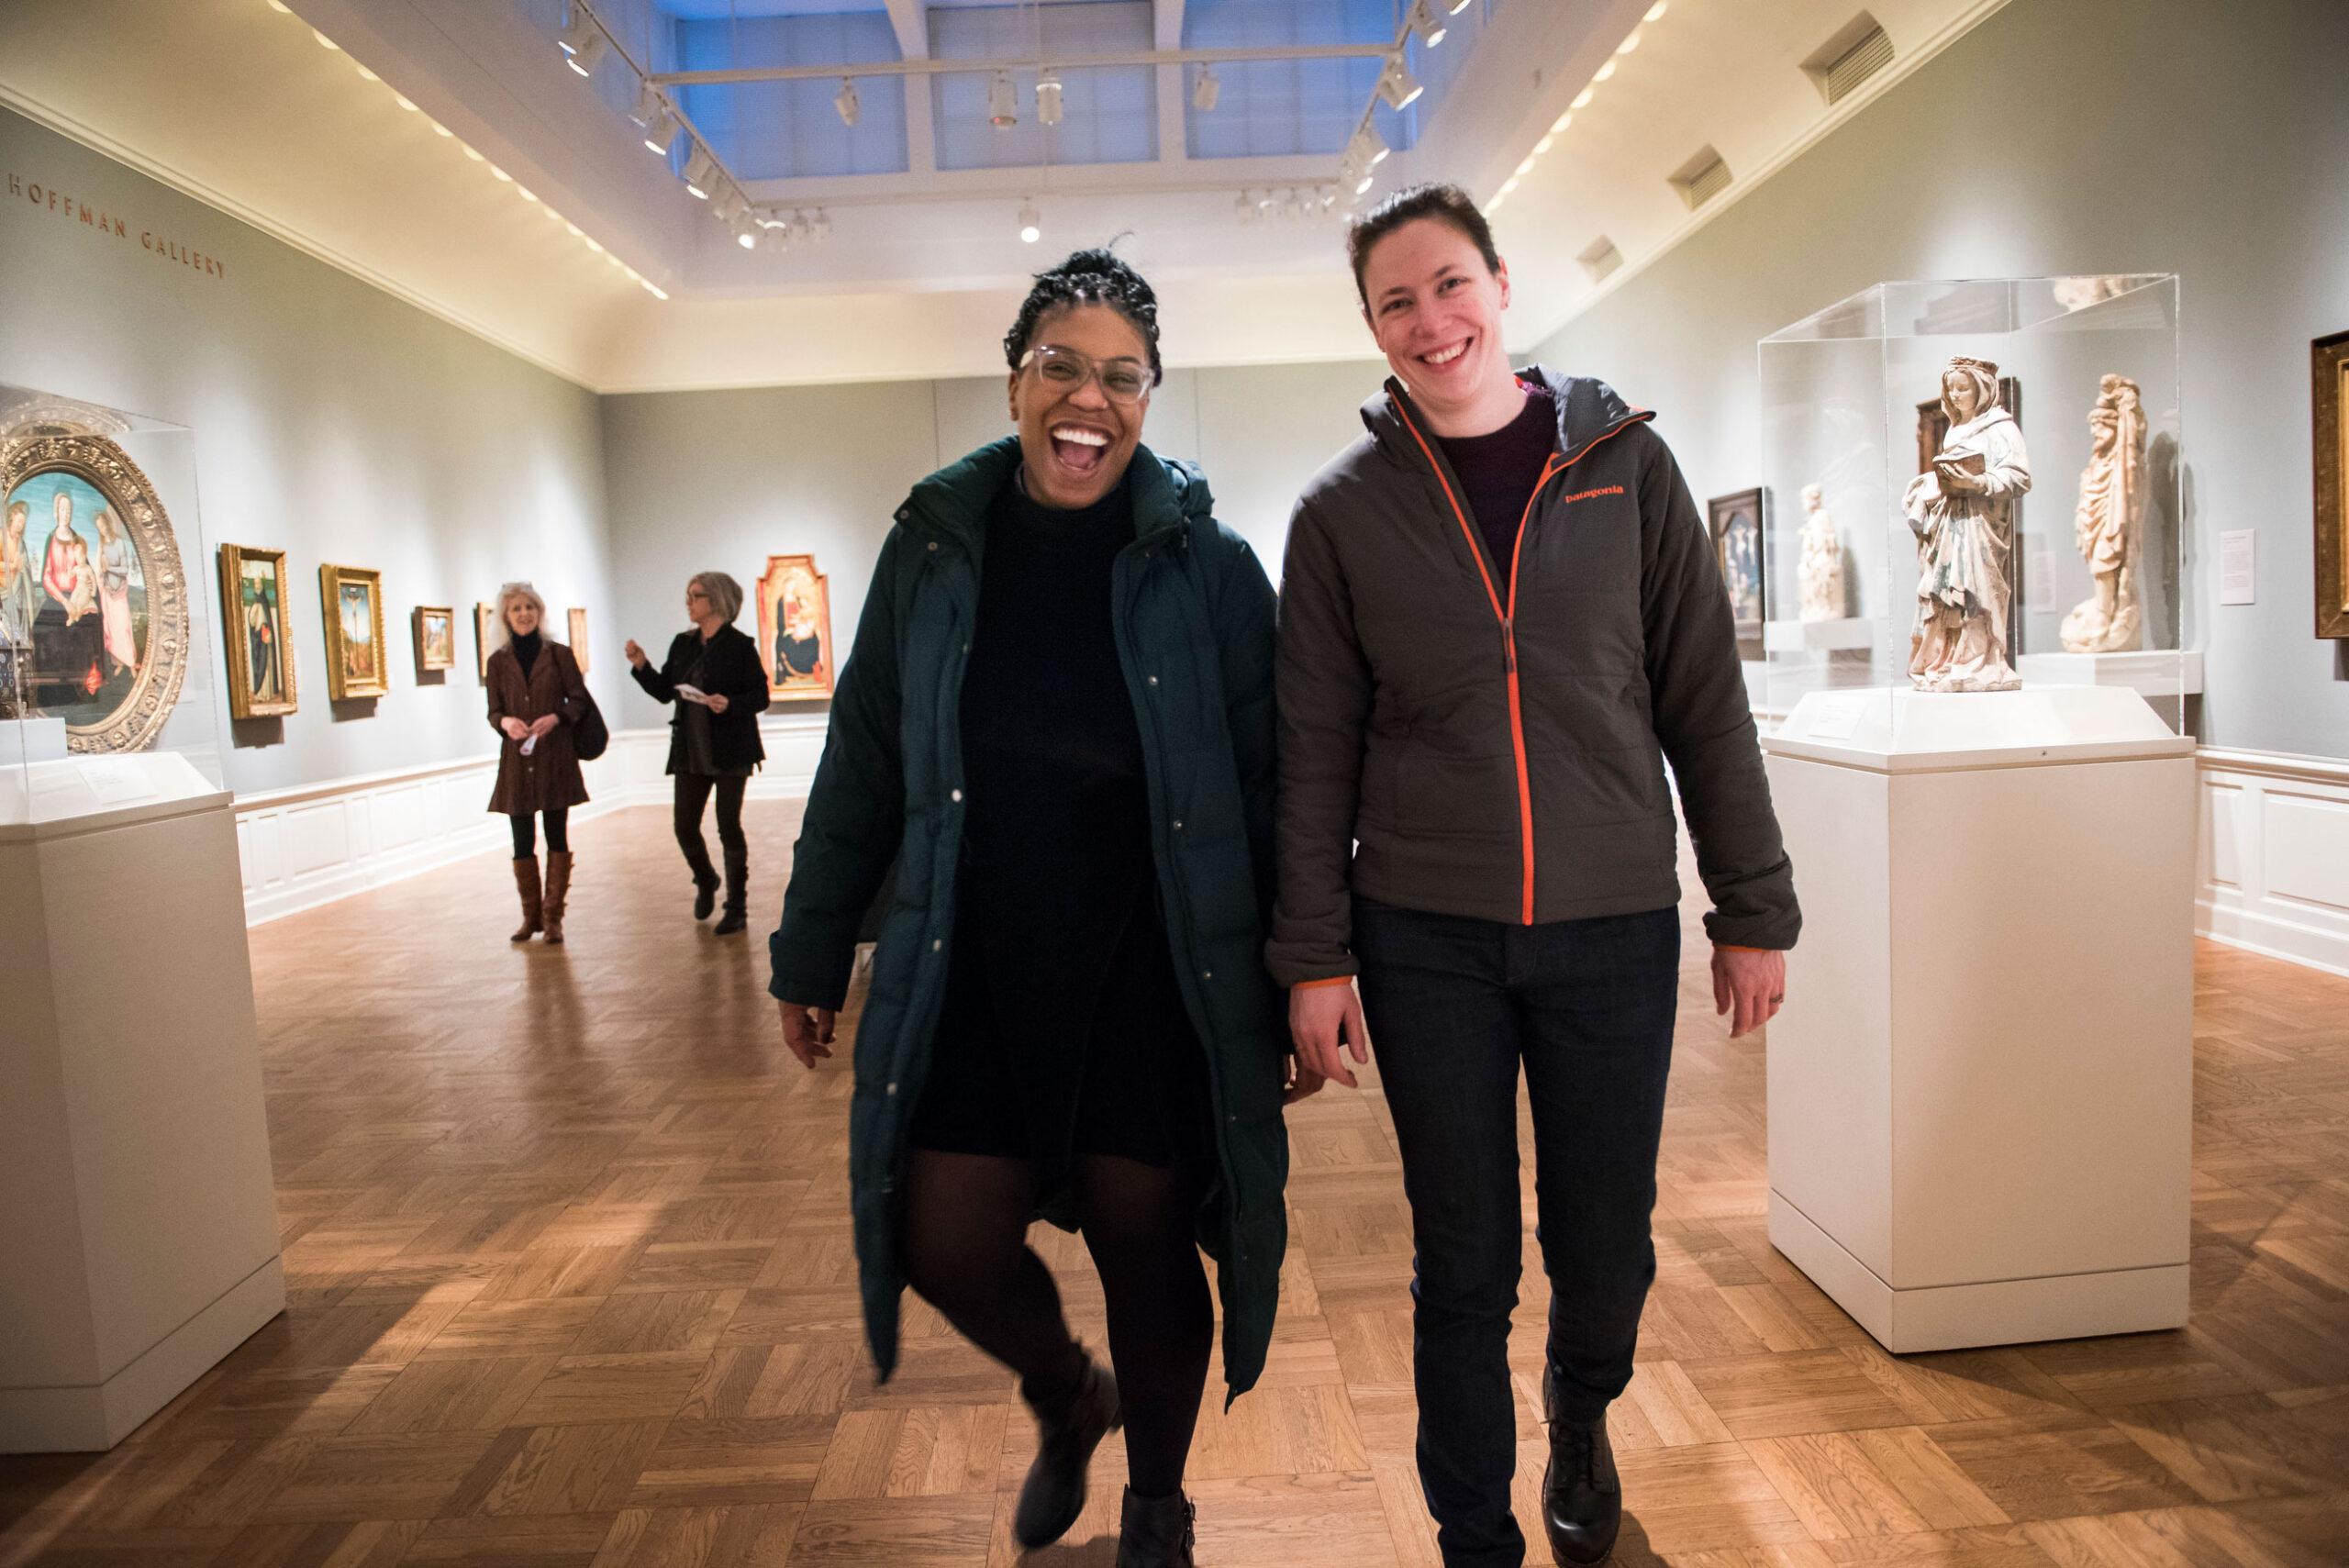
549 776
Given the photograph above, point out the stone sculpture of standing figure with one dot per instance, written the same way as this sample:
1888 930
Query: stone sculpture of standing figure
1962 511
1823 561
2110 522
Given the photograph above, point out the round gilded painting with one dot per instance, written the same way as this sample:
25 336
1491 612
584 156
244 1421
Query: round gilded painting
94 613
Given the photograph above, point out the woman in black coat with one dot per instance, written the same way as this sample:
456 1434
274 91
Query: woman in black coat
714 675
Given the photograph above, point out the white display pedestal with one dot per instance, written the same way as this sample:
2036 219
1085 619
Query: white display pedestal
1810 636
138 1221
1980 1087
31 740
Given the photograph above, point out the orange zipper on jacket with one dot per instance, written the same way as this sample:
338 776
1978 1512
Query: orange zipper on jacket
1507 615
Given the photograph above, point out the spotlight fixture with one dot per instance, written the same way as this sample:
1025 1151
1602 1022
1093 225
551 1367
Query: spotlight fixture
661 132
1246 207
650 105
1003 102
819 228
1047 96
1396 84
1368 148
1207 91
845 101
1459 5
583 44
1423 21
1031 224
701 172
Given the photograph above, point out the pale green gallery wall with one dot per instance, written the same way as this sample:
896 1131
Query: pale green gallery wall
331 420
2068 136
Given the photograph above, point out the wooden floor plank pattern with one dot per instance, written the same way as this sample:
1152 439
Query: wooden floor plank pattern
572 1284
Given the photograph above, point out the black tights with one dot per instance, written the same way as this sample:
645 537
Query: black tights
525 839
965 1229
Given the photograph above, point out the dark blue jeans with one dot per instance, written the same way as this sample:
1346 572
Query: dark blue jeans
1455 1007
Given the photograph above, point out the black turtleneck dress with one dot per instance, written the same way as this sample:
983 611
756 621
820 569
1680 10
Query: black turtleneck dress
1064 1031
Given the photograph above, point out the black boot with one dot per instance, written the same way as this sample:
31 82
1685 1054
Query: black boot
1581 1500
738 890
1156 1532
1068 1432
705 875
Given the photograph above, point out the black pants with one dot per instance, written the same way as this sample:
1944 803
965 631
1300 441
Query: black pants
1455 1007
693 796
526 839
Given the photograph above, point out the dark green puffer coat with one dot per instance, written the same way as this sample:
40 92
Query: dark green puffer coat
1193 615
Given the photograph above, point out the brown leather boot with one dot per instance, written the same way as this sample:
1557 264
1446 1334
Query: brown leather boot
525 883
558 889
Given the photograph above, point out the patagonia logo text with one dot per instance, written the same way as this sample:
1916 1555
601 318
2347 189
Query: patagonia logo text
1587 494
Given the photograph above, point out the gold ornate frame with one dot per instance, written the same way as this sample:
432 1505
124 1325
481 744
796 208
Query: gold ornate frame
330 581
2329 367
234 648
107 469
575 624
488 636
424 659
770 581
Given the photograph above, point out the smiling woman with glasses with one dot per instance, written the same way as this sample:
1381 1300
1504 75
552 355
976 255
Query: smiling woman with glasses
1057 720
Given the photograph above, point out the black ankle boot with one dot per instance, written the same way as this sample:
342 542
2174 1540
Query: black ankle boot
1156 1532
1068 1432
738 891
1581 1500
704 897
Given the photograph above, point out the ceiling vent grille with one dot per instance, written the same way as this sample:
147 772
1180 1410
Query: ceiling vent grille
1600 257
1700 179
1859 50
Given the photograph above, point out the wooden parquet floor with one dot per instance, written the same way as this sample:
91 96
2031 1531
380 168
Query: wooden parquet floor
568 1242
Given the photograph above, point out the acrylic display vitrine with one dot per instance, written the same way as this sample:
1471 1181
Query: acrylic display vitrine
1852 403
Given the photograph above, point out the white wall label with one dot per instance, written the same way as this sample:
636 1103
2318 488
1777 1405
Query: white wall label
2238 574
1837 717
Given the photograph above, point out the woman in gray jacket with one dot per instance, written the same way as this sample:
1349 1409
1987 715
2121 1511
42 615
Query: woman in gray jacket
1499 620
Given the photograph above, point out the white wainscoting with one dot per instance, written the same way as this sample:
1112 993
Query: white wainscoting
2273 871
310 845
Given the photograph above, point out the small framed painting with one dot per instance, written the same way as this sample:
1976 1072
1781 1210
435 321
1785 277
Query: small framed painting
488 637
436 638
578 625
1736 527
795 627
253 605
2329 364
352 600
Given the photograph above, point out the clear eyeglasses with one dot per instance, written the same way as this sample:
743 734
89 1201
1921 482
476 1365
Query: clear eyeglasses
1065 370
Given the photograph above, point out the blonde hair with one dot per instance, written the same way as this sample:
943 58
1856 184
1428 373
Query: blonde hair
506 596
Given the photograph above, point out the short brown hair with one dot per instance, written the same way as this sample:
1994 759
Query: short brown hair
1444 203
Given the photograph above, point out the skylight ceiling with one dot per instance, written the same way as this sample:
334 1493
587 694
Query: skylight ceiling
782 92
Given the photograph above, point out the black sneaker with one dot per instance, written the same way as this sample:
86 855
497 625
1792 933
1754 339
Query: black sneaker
1156 1532
1053 1494
1582 1499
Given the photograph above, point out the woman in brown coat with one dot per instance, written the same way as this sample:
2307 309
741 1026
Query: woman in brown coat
536 694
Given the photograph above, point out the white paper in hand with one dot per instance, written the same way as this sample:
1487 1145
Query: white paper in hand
692 693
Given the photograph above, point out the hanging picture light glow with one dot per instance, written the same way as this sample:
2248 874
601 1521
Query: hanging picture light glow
1003 102
1047 96
1031 224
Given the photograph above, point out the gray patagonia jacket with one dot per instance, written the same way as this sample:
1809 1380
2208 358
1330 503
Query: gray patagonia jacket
1464 740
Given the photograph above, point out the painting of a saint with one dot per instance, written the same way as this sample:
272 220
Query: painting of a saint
259 652
94 606
796 627
87 630
1736 522
353 600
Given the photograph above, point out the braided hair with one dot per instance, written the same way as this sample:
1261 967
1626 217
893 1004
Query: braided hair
1089 277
